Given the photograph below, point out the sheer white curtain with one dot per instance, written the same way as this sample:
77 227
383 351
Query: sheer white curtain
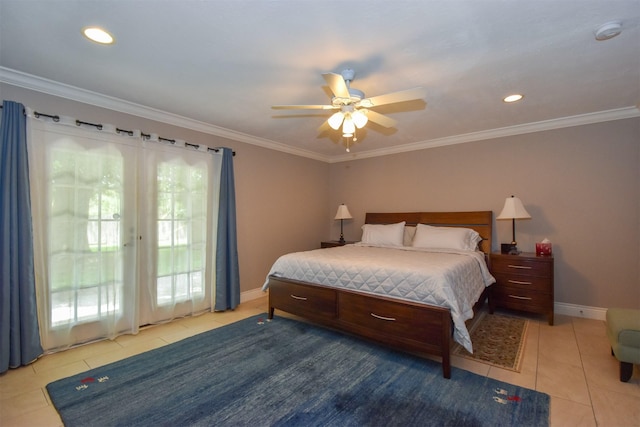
179 186
124 230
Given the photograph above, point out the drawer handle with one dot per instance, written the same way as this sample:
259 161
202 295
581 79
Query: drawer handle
389 319
519 282
521 267
519 297
298 298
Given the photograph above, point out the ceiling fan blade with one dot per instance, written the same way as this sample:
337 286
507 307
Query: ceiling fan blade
380 119
304 107
391 98
337 84
324 127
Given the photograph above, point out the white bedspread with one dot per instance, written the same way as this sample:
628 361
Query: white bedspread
449 279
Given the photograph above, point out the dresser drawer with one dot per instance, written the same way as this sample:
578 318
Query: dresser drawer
310 301
522 299
387 317
522 266
523 282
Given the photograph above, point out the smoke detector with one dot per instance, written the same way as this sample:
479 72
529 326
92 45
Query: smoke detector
608 31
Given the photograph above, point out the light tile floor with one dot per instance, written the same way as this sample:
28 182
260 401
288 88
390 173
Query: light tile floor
571 361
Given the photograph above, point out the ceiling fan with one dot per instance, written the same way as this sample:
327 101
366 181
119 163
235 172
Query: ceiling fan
354 109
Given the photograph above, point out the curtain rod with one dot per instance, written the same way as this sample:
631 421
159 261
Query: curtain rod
99 126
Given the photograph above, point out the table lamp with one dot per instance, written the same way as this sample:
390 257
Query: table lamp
513 209
342 214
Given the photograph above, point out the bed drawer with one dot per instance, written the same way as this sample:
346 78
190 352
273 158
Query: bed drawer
386 317
301 299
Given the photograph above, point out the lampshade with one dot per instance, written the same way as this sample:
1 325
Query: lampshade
336 120
348 126
359 119
343 212
513 209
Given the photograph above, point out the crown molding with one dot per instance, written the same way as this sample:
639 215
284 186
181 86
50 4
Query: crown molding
564 122
39 84
28 81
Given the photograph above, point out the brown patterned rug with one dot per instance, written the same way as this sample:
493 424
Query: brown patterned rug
498 340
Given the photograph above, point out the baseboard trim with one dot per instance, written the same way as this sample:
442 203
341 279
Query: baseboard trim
251 295
574 310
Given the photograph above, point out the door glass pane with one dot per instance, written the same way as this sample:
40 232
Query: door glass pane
181 231
86 188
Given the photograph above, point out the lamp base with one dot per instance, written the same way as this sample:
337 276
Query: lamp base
341 241
509 248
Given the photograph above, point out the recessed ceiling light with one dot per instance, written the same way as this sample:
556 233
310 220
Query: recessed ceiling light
97 35
513 98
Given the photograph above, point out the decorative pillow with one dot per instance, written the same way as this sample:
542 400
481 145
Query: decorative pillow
457 238
383 234
409 232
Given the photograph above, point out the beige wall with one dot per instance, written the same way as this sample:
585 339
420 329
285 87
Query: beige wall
581 186
282 206
282 200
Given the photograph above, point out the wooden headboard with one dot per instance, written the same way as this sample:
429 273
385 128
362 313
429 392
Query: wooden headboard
481 221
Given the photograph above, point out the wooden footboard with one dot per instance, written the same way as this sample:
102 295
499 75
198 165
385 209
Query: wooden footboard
409 326
403 325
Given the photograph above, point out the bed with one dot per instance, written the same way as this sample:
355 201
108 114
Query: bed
394 301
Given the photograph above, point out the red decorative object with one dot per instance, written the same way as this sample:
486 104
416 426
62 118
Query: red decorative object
543 249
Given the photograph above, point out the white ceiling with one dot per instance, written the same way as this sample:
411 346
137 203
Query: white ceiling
219 65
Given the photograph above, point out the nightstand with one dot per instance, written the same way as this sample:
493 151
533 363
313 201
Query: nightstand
334 243
523 282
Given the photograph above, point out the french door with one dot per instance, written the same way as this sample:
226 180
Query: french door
177 225
122 230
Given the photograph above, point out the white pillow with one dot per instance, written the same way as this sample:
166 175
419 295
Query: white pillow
457 238
383 234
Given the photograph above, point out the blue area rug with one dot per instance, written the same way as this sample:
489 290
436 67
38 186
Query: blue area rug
287 373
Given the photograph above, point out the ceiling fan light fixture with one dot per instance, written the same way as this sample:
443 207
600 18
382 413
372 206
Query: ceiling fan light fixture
359 119
354 111
336 120
348 127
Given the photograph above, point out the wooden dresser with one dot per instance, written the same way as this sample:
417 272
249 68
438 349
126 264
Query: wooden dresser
523 282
